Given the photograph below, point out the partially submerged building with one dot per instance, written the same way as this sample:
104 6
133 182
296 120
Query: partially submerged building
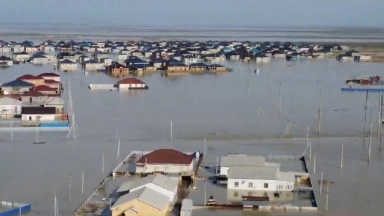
166 161
151 195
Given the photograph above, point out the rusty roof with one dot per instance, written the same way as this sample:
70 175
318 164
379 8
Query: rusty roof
166 156
130 80
29 77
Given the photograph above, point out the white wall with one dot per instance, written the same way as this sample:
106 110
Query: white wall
166 168
126 86
57 79
46 117
273 185
10 110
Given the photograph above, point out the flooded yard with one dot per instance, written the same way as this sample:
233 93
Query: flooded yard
238 112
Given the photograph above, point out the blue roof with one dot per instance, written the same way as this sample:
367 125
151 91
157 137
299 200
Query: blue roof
199 64
180 64
17 83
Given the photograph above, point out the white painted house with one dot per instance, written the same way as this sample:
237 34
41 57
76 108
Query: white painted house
158 182
243 160
38 114
9 107
165 161
260 178
131 83
67 65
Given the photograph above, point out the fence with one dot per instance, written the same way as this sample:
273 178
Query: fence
14 208
55 124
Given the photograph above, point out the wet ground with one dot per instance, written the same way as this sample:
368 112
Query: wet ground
222 108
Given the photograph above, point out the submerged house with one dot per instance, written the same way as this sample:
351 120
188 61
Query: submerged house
38 114
166 161
92 65
131 83
67 65
5 61
15 86
117 69
9 107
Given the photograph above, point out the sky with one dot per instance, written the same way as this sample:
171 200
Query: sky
196 13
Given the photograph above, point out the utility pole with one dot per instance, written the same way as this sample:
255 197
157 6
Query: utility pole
370 139
69 191
171 135
102 165
82 182
321 183
381 120
280 96
342 156
314 163
365 115
310 150
319 114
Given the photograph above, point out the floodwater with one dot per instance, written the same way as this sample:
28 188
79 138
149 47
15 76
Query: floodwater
42 32
224 108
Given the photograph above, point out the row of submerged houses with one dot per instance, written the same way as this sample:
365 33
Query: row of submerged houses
187 52
33 99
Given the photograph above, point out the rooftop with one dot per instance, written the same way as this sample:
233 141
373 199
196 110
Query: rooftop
29 77
259 173
130 80
168 183
146 195
166 156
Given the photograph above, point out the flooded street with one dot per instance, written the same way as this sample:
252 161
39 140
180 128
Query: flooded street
237 112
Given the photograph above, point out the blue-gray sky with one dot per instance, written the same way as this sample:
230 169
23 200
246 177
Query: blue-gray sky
195 13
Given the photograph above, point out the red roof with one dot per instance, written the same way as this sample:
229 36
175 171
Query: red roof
51 81
42 88
29 77
32 94
49 75
166 156
130 80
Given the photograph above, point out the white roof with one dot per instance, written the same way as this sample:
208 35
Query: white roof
168 183
259 173
54 101
145 195
242 160
10 101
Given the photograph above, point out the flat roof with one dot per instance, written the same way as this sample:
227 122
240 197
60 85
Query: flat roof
242 160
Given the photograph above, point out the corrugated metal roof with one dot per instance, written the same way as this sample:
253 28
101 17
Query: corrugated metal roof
242 160
168 183
260 173
10 101
146 195
257 172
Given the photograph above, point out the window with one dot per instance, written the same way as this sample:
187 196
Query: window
265 185
281 187
249 193
236 184
276 195
250 185
287 187
236 194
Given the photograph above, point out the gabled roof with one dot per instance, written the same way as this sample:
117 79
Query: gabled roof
51 81
54 101
38 110
42 88
17 83
29 77
166 156
146 195
5 58
49 75
10 101
67 61
168 183
130 80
